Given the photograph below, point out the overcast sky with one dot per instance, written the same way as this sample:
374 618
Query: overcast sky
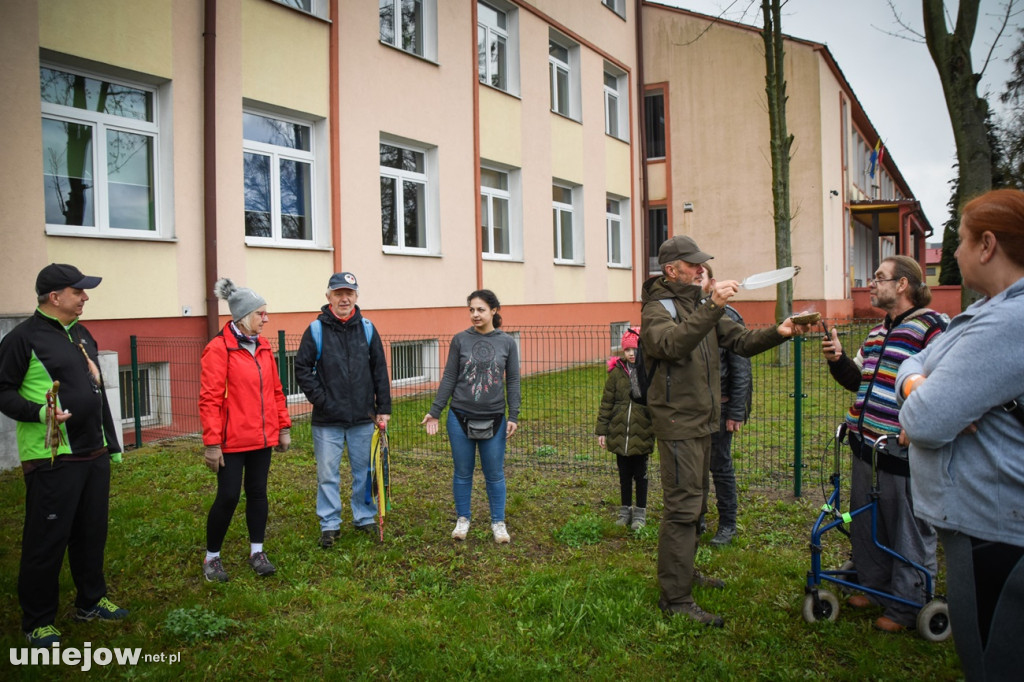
894 79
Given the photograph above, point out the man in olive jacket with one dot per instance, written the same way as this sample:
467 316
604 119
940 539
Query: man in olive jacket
685 402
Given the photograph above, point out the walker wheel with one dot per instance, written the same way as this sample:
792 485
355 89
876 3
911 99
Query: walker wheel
933 621
827 608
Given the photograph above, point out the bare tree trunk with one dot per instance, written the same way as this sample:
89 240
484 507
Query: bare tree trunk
781 143
968 112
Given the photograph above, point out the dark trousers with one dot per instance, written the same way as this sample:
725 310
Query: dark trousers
684 483
66 507
985 586
632 469
724 476
255 464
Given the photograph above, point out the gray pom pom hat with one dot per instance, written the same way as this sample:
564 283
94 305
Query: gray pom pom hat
241 300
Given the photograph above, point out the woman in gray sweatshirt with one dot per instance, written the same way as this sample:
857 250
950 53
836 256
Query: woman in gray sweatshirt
480 378
962 412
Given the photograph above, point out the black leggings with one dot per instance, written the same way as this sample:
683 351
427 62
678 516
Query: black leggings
633 468
256 465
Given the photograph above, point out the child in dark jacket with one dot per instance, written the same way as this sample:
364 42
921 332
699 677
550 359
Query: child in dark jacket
624 427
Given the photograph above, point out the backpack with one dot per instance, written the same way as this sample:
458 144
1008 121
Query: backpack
640 377
316 328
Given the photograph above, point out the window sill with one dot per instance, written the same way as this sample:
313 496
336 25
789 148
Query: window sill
623 140
567 117
514 95
303 12
291 247
395 251
422 58
619 266
501 258
141 237
570 263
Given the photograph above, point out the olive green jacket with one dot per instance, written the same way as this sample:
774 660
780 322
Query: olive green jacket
686 391
626 425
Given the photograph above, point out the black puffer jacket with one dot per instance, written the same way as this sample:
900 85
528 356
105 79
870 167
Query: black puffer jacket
625 424
350 383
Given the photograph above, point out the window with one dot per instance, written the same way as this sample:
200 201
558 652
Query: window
101 155
492 46
410 25
317 8
616 116
566 204
407 199
617 6
154 395
292 392
617 222
617 329
657 232
414 362
654 124
277 172
494 201
563 64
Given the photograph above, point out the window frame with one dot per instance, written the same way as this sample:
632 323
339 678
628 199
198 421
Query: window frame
617 6
101 124
575 211
157 388
625 233
616 330
511 35
428 178
515 217
428 358
317 191
620 104
571 67
428 19
651 139
650 238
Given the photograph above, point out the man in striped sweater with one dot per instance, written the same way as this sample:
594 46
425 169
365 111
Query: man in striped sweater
898 288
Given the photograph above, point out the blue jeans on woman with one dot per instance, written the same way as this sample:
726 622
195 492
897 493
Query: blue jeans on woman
492 461
328 444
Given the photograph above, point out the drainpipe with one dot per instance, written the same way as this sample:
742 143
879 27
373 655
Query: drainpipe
334 114
210 163
645 256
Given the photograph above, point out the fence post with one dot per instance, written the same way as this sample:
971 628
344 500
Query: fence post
136 398
282 368
798 408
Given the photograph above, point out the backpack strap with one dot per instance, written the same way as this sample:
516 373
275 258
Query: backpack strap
668 305
316 329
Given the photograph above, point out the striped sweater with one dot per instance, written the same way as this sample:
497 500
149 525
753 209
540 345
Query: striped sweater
872 374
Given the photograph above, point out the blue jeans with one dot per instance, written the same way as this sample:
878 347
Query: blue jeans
328 444
492 461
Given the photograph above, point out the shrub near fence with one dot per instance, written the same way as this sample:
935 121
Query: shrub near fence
563 370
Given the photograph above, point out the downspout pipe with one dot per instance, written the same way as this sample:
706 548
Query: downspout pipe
642 107
210 163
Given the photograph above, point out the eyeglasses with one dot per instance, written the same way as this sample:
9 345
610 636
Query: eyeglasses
879 280
263 314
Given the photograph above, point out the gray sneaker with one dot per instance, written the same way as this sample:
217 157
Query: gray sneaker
214 571
693 611
724 536
261 564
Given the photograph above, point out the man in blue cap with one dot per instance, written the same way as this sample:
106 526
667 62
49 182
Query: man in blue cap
66 440
341 368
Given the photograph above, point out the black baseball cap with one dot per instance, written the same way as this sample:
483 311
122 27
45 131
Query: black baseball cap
343 280
57 276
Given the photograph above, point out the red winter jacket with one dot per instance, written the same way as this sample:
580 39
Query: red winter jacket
241 404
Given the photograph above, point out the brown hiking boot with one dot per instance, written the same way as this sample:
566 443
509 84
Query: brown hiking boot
693 611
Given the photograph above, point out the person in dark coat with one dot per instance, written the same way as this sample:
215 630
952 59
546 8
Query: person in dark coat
624 428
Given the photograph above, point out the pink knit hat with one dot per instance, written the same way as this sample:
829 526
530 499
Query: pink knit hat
631 338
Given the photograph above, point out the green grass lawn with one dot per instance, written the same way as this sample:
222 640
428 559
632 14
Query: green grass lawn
571 597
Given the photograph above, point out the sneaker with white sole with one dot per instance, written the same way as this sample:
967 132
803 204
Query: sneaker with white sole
261 564
461 529
500 533
214 571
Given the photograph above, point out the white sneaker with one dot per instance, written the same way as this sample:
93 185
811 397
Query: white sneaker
461 528
500 533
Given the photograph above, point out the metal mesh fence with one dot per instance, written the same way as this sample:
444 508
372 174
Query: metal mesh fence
796 404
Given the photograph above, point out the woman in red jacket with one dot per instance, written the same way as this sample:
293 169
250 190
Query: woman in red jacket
244 414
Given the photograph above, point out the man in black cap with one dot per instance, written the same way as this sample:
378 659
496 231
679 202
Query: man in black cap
681 335
66 440
341 368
